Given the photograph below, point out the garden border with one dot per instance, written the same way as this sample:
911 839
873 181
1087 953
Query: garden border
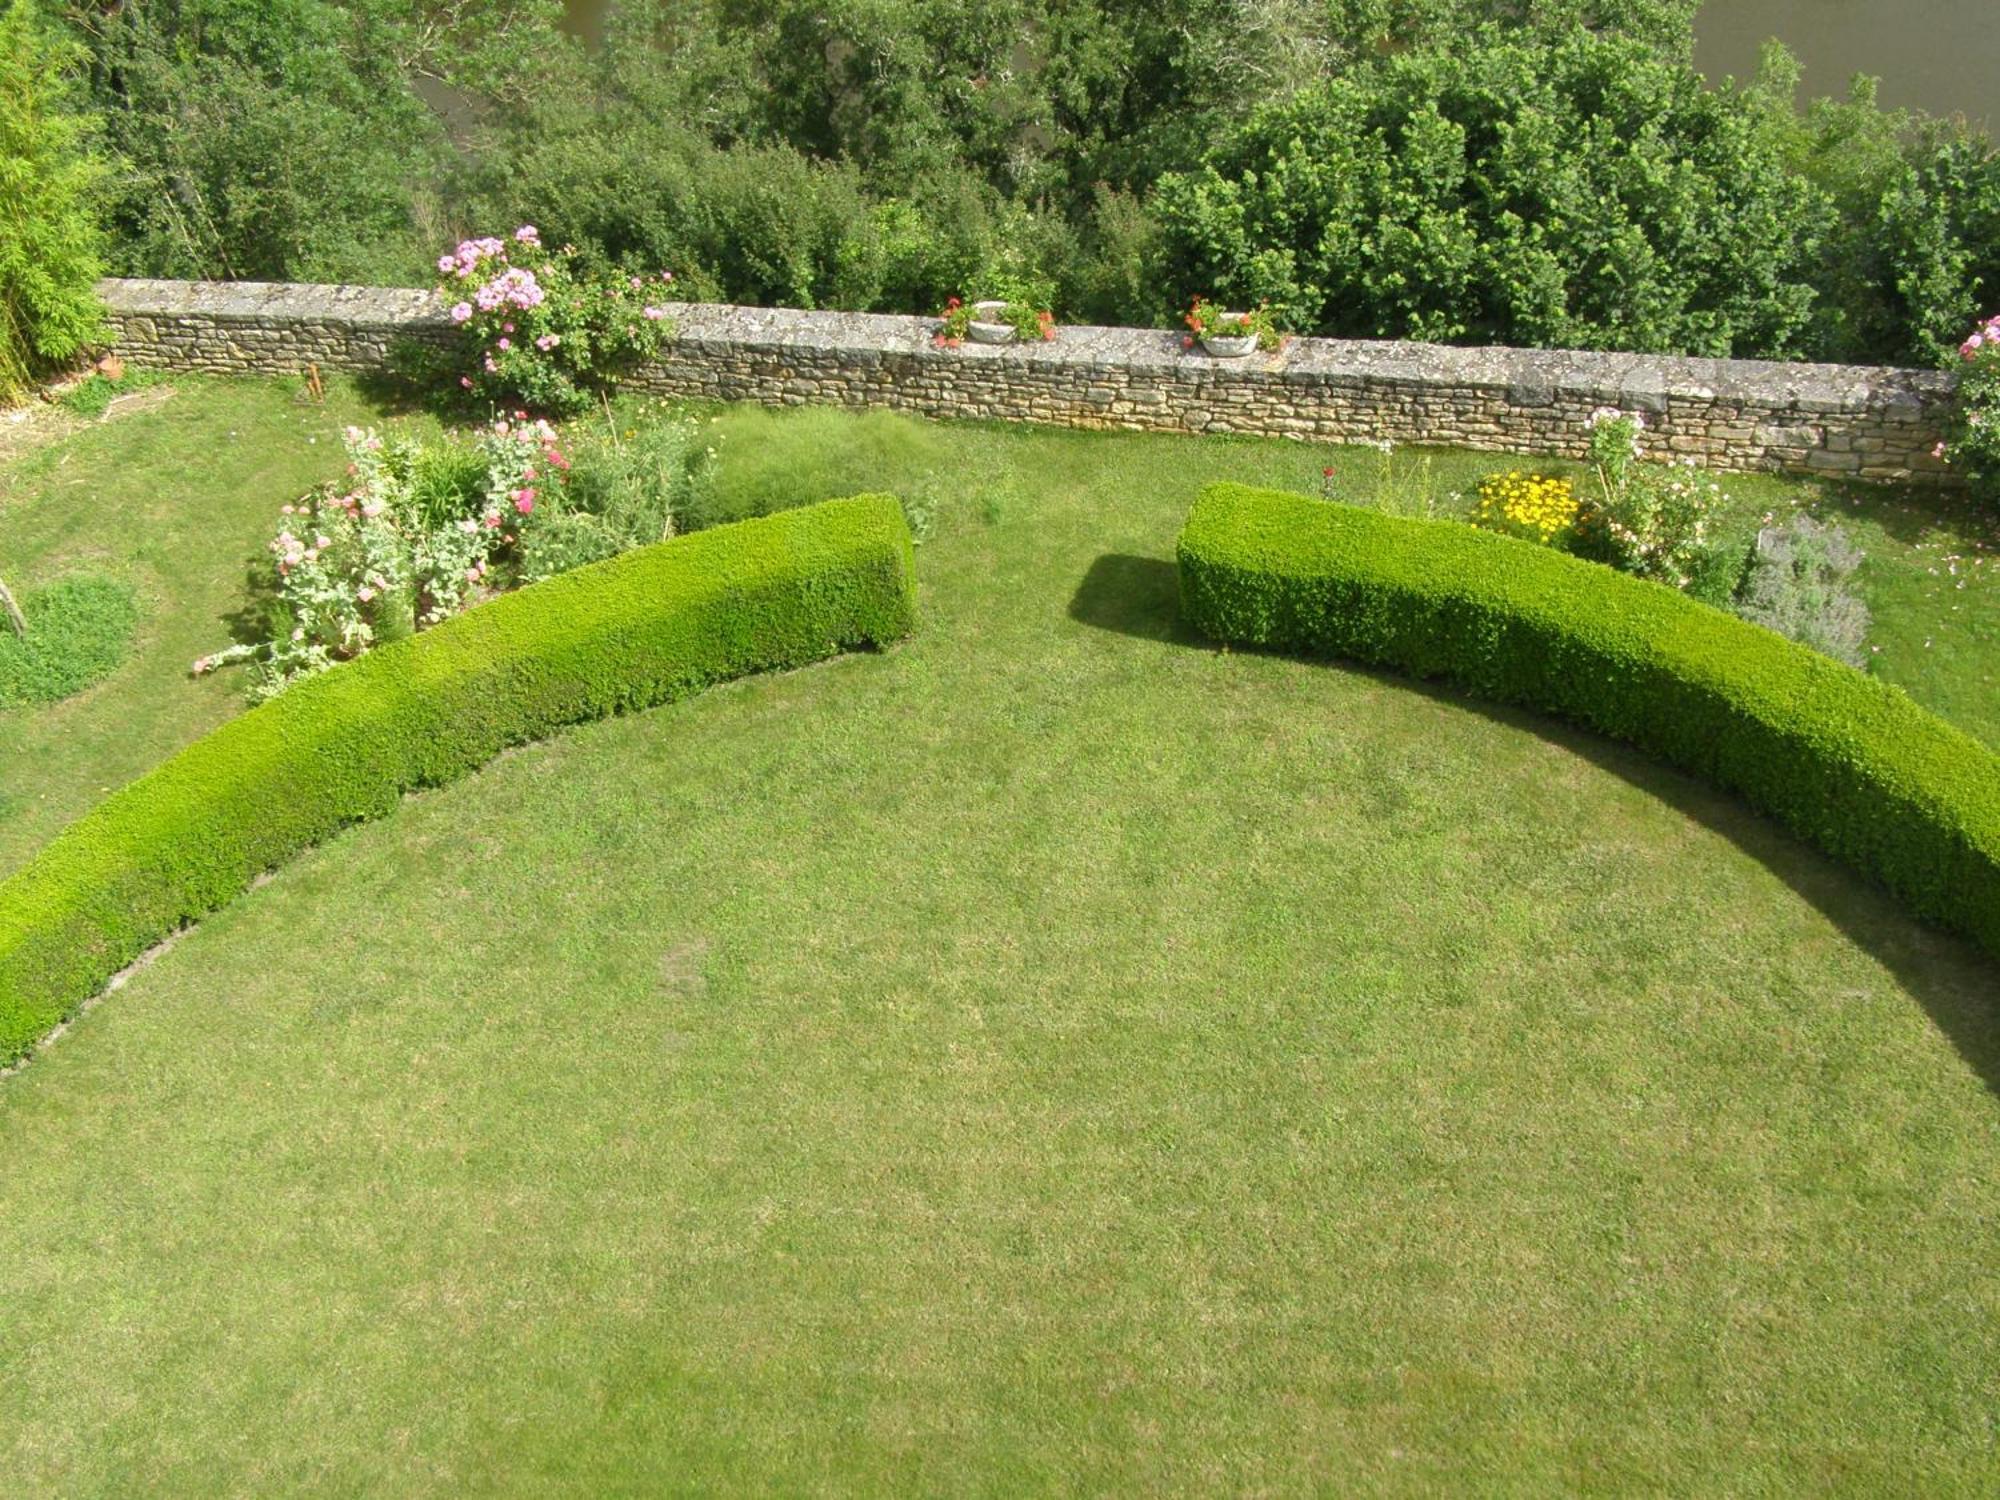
1847 762
342 747
1835 421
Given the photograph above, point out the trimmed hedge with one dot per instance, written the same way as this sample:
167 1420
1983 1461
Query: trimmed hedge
637 630
1850 763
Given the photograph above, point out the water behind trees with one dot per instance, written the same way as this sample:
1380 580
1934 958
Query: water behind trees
1938 55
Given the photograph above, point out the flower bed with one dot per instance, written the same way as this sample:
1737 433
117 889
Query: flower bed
416 532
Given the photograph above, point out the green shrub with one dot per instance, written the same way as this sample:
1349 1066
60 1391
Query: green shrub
641 629
1647 519
1845 761
268 140
1799 582
48 186
78 632
535 328
1585 192
1973 444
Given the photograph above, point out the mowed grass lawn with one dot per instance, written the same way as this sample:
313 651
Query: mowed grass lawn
1050 1056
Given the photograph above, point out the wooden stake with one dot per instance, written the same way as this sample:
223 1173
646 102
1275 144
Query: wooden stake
14 616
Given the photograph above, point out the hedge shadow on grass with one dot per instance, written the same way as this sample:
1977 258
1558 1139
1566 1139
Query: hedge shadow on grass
1948 975
1135 596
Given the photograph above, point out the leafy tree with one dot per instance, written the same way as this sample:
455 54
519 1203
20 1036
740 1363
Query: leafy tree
48 180
1544 171
286 139
1584 192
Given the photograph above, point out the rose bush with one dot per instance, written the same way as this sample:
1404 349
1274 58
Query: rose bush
1649 519
416 533
1973 445
538 333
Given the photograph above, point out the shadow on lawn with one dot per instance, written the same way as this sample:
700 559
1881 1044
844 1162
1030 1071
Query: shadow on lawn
1956 983
1136 596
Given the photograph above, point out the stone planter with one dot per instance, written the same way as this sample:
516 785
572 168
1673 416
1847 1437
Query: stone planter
986 327
1224 345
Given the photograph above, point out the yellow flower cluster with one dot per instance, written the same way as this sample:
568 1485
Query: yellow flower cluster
1526 505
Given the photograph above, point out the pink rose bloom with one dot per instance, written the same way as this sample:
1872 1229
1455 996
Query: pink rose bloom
472 575
527 234
364 593
654 314
466 381
493 522
445 263
504 345
1938 451
525 502
547 342
636 283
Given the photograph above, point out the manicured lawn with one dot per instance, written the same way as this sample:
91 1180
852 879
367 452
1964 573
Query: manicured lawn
1051 1056
177 500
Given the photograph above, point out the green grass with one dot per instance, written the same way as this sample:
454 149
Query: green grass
1049 1057
78 631
92 396
173 503
177 501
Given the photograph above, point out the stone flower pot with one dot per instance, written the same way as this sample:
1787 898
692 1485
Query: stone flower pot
986 327
1222 345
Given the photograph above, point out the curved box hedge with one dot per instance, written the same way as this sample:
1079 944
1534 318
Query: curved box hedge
1848 762
638 630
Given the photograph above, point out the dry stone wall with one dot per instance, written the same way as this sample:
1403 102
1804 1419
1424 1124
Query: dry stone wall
1742 415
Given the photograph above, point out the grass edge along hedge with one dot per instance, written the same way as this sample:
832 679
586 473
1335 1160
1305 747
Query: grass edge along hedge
637 630
1849 763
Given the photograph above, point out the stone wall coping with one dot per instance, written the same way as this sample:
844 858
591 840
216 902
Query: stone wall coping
1524 377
